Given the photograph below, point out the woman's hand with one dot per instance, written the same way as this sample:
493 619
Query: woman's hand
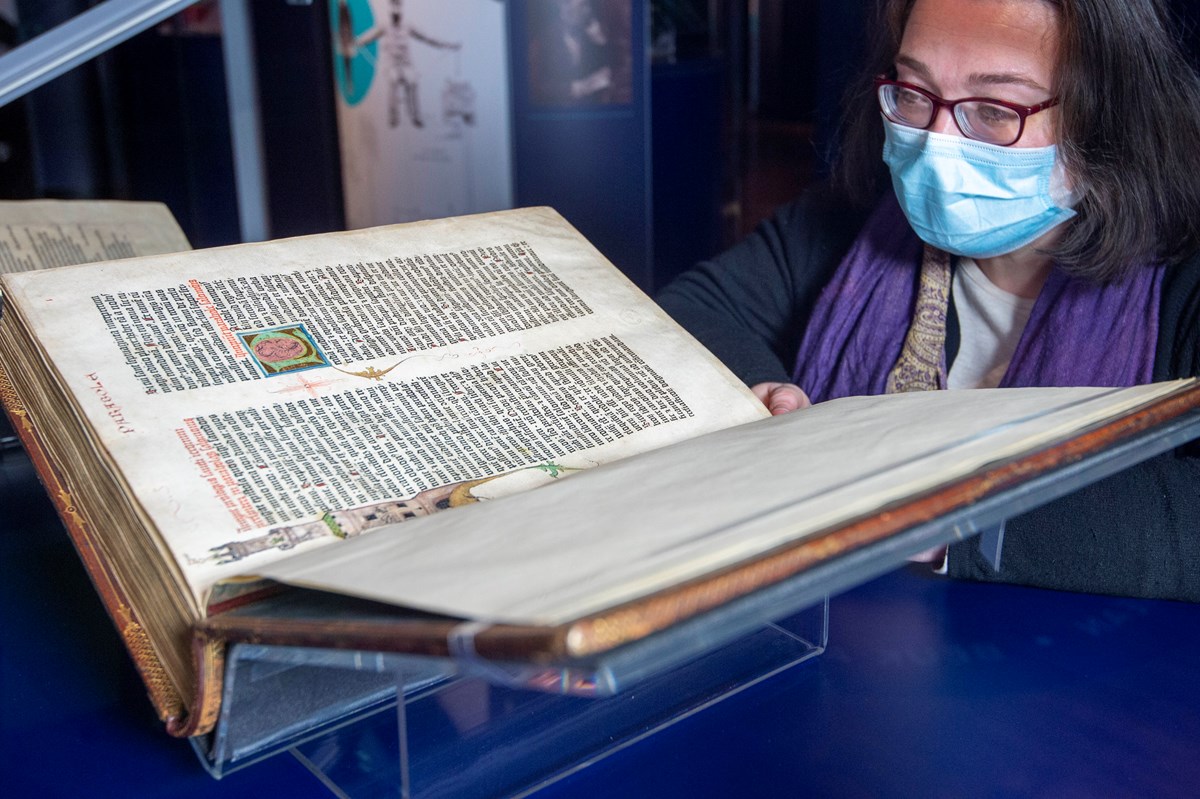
781 397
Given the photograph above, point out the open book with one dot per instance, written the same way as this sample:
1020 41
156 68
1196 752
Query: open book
301 410
40 234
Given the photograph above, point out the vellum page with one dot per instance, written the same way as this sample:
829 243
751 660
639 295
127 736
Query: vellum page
37 234
635 527
267 399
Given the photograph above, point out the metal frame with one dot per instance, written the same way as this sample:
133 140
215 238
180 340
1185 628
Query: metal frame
106 25
245 123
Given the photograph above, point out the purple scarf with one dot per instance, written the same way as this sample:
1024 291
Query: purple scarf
1080 333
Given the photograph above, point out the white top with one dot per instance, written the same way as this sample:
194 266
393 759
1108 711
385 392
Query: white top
990 321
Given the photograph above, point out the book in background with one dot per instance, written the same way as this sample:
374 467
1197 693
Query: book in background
41 234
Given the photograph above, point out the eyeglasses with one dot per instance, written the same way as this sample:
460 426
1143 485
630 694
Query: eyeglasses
980 118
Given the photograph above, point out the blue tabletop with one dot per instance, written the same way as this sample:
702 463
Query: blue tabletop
929 687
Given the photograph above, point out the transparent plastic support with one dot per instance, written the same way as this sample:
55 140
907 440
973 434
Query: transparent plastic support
372 724
467 727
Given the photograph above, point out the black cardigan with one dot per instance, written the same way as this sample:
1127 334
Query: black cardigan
1136 533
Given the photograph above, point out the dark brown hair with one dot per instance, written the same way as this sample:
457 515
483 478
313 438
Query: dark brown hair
1129 132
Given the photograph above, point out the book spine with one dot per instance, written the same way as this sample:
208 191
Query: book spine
163 694
208 660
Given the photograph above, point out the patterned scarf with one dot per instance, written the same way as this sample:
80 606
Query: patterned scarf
864 337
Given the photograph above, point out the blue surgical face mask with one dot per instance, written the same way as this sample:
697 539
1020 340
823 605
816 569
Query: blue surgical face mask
975 199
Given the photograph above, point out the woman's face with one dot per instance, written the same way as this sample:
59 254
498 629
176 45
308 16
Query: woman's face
1000 49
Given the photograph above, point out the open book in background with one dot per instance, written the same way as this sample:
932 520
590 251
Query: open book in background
211 419
41 234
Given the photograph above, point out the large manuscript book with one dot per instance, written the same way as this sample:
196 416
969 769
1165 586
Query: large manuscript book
409 416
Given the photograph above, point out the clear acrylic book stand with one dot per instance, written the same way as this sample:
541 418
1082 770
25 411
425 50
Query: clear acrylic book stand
467 728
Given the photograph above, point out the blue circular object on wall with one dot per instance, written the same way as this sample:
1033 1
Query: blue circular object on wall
353 58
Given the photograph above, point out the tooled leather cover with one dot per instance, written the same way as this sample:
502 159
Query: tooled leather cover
166 699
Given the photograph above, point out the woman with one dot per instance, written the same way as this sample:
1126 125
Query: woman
1039 228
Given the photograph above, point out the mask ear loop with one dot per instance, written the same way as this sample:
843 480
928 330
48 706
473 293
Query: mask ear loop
1063 191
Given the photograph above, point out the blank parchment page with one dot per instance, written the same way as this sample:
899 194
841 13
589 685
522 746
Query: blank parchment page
631 528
